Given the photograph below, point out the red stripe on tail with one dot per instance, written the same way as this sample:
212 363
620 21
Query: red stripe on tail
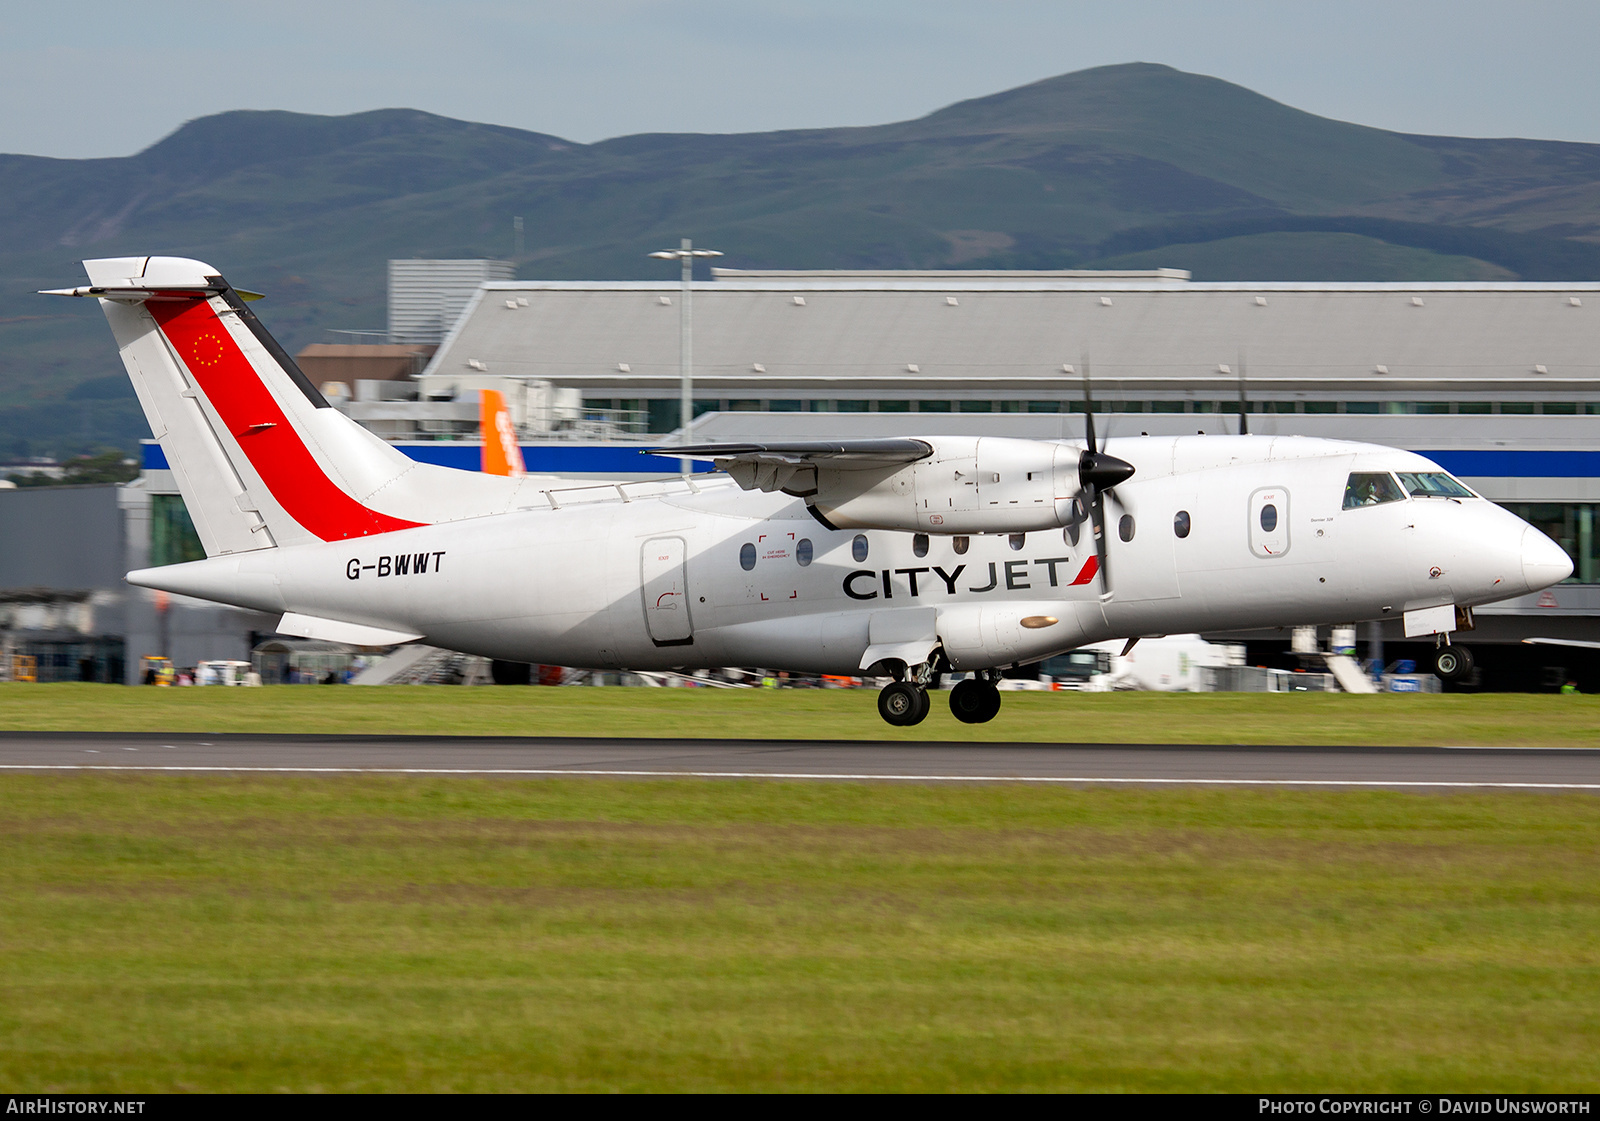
1090 567
252 415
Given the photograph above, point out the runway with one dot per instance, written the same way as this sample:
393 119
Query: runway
835 760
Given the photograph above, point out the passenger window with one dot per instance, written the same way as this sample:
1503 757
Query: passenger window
1017 540
959 544
919 544
858 548
747 556
1125 527
1269 517
1433 484
1180 523
1371 488
803 551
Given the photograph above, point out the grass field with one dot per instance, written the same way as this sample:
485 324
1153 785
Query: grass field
235 933
1489 719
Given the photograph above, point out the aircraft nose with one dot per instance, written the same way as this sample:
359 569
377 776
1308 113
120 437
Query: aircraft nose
1543 561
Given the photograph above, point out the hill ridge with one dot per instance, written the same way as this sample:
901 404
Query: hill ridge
1135 164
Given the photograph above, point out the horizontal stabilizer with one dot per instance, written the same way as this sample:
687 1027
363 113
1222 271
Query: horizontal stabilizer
333 630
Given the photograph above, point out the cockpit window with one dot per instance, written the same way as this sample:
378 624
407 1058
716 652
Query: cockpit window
1370 488
1433 484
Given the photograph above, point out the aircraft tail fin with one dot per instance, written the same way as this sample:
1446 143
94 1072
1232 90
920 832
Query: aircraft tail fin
501 455
260 456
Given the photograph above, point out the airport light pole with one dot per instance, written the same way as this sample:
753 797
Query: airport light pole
685 254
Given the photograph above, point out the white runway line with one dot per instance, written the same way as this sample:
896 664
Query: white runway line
595 773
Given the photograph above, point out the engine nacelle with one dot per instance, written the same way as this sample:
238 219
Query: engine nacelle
968 485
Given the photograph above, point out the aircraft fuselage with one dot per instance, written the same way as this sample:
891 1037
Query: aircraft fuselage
706 574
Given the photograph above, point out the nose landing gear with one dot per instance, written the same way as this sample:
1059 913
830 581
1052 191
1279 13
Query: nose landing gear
1452 663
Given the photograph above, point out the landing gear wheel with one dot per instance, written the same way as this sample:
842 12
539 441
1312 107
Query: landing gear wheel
1452 663
903 704
974 702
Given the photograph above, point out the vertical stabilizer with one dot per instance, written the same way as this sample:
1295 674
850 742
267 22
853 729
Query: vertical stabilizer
501 455
224 517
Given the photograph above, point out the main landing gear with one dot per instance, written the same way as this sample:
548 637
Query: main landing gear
903 703
974 701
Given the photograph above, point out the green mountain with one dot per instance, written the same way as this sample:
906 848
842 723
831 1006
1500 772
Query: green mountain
1121 166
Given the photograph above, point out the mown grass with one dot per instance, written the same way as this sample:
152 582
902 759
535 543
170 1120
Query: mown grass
351 934
1252 718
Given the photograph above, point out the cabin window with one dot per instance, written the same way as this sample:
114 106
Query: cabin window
1125 527
1269 518
1433 484
1371 488
858 548
959 544
1017 541
1180 523
803 551
919 544
747 556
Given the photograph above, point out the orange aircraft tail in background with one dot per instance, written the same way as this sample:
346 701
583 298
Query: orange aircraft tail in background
501 455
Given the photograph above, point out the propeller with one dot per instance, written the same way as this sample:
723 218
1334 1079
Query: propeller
1098 476
1244 408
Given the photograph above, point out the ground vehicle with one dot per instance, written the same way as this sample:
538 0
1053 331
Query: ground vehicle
156 669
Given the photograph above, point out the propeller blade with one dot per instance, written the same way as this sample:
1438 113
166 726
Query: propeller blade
1088 408
1244 414
1097 526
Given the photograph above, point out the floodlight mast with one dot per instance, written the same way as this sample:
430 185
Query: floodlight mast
685 254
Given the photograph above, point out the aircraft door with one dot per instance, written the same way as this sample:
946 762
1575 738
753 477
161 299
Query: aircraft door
1269 522
665 587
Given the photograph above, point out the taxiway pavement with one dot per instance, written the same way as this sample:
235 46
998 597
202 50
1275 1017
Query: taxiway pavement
930 761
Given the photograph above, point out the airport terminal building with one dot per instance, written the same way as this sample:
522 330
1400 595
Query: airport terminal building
1498 382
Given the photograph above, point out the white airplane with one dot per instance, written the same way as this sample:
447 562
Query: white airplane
904 557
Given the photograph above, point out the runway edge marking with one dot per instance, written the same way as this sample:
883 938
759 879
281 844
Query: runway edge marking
596 773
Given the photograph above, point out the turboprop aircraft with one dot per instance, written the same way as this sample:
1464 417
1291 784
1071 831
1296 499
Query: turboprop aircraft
903 557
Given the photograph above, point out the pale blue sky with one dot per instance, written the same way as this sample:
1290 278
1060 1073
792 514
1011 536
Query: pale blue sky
108 77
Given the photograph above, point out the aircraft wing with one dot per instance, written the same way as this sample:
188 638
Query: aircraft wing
791 466
843 454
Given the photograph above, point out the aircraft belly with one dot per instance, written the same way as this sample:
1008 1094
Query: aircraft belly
829 643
